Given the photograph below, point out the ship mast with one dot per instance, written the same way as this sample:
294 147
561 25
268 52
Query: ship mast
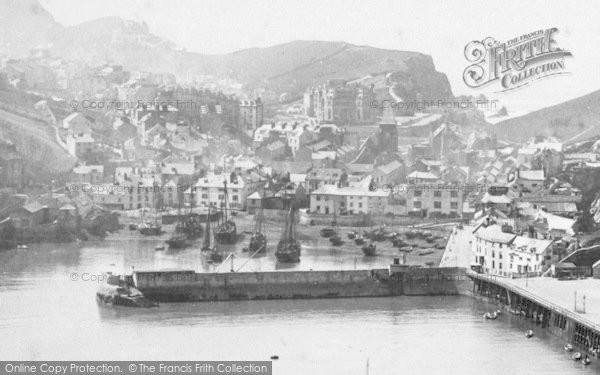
206 241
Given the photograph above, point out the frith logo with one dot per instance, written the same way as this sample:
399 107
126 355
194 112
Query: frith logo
515 63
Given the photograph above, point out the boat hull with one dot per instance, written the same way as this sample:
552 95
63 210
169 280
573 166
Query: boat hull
369 250
258 242
288 252
151 231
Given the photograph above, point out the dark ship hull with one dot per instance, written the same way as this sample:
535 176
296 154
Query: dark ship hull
369 250
226 233
153 230
177 242
258 242
191 227
288 251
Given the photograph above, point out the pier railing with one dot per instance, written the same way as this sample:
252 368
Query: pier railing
535 298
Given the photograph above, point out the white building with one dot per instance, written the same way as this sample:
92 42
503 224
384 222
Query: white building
507 254
349 199
210 191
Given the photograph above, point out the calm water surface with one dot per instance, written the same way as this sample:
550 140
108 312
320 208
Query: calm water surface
44 315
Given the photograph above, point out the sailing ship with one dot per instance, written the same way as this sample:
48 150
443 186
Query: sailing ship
258 241
187 229
288 248
150 228
210 249
226 232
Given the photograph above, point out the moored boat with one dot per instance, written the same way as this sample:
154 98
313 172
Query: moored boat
576 356
336 240
210 249
586 361
529 334
258 240
150 229
359 240
178 240
117 292
226 232
327 232
568 347
369 250
288 248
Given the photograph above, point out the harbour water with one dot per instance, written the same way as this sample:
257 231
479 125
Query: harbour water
38 294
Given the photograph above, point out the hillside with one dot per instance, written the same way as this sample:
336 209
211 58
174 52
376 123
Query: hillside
286 68
571 121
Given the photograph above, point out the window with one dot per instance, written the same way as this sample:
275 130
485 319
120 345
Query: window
437 205
318 208
418 193
417 204
453 205
359 204
500 265
221 197
454 194
318 197
235 198
204 196
437 193
351 204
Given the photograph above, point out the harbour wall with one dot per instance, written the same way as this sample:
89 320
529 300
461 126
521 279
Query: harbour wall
188 286
573 328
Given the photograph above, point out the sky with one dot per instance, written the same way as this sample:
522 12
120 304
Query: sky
438 28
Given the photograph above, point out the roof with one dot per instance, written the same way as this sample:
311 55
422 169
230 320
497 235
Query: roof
348 191
565 265
422 175
550 198
255 195
72 116
85 169
33 207
557 222
275 145
533 175
494 233
216 180
531 245
390 167
325 173
496 199
178 168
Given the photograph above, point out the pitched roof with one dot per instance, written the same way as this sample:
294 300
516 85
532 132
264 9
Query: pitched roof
494 233
532 175
33 207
